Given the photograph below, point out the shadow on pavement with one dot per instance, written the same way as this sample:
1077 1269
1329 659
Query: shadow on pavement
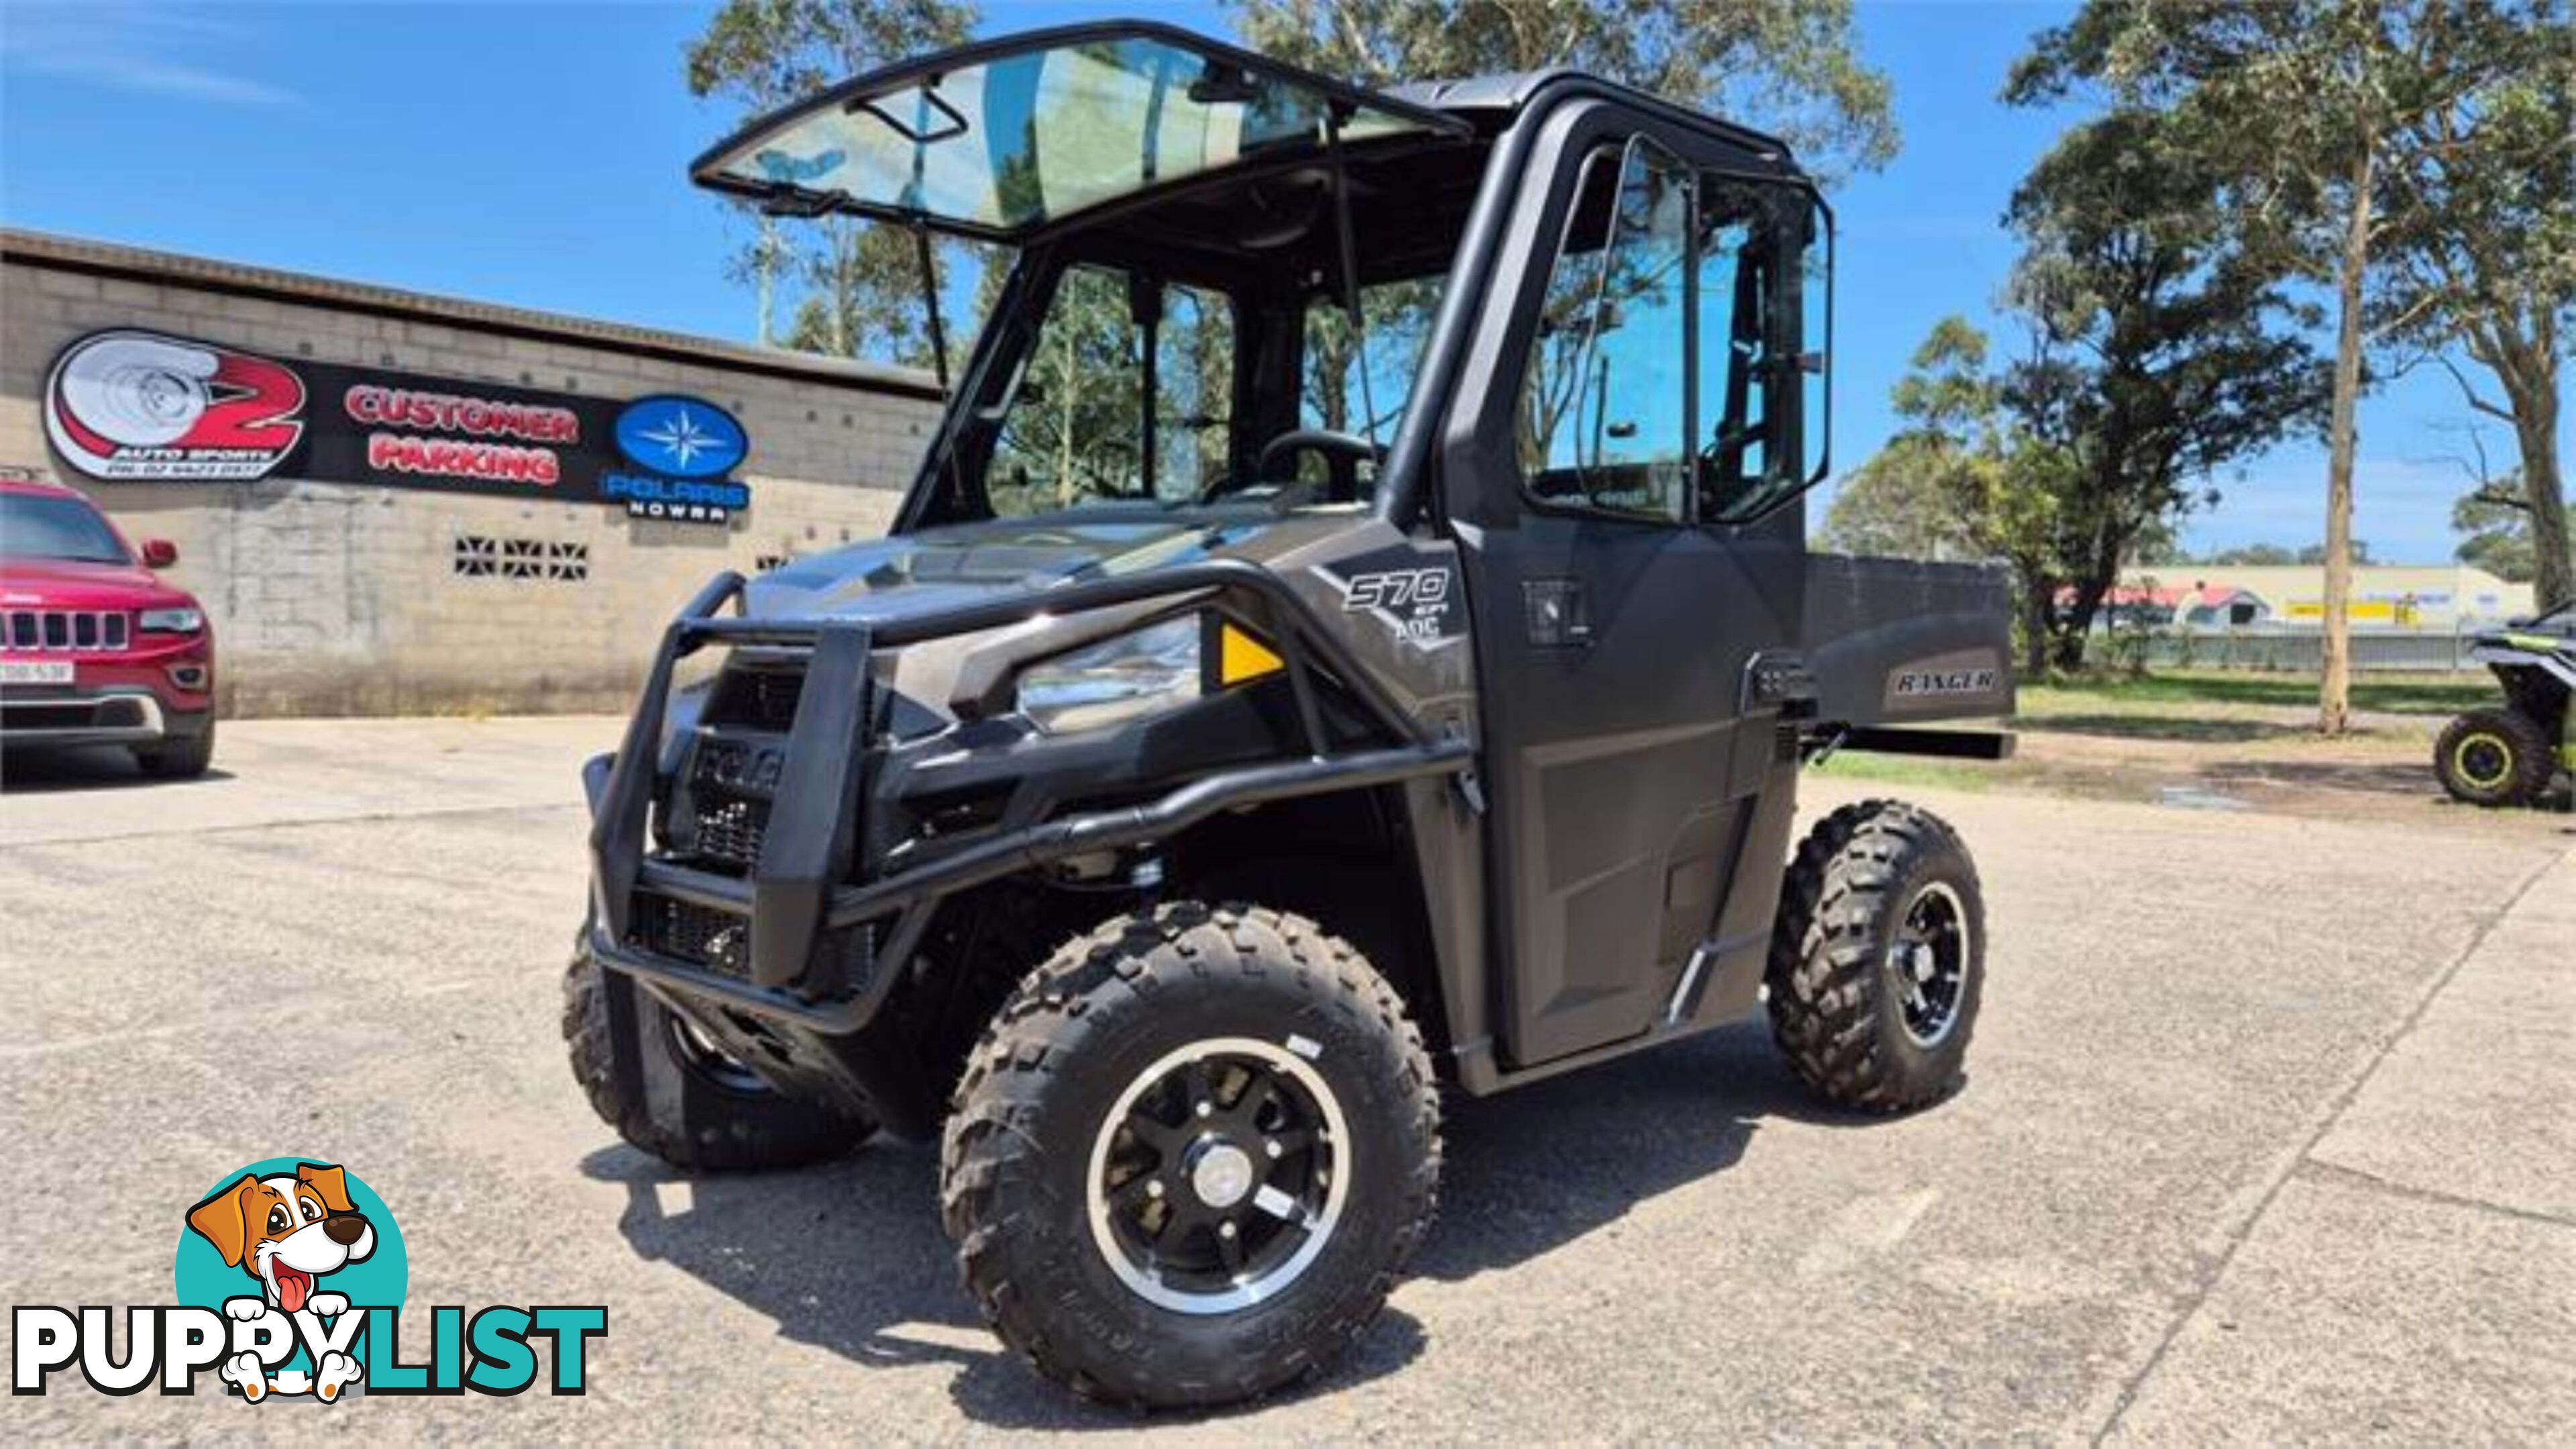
2160 727
851 1257
32 769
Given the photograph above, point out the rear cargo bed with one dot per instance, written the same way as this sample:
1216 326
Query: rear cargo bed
1898 641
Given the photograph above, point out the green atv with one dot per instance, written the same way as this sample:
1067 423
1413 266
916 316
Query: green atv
2508 755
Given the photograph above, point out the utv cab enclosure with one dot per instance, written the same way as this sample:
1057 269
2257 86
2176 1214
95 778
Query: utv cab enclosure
1352 632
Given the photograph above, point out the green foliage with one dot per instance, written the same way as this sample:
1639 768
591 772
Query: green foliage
858 287
2153 364
2494 523
2258 555
1792 69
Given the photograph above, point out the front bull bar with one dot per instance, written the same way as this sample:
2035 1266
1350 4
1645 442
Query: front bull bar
801 885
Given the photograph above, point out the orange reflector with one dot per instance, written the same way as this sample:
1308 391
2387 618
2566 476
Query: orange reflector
1240 657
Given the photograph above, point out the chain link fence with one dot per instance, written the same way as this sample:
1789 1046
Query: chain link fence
2293 650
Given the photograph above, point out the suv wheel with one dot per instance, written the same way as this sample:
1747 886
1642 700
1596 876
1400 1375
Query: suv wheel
2494 757
1878 958
178 759
1190 1157
669 1090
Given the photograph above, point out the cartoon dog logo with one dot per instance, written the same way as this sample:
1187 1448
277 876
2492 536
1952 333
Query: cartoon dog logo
287 1232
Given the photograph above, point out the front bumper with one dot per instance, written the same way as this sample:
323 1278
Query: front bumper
67 717
802 951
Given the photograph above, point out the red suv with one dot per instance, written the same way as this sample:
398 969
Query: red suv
93 648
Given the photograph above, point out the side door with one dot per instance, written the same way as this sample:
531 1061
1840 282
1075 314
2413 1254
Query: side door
1632 825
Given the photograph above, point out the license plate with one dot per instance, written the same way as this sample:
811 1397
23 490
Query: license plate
35 671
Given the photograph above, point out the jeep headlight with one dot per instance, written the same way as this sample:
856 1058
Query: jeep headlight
171 621
1116 680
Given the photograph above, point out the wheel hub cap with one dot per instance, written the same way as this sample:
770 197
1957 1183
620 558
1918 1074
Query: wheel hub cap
1222 1174
1929 962
1218 1176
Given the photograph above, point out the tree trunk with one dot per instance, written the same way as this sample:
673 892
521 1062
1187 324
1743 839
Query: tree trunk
2036 592
2075 628
767 271
2535 427
2334 695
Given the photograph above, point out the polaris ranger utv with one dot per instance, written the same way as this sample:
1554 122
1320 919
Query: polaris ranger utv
2508 755
1352 634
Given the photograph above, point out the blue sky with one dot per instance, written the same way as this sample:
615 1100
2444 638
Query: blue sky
533 155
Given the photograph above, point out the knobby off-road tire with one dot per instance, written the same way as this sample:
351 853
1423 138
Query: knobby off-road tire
1060 1130
1873 888
668 1092
2494 757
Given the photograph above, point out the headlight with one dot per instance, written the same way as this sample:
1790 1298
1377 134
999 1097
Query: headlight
171 621
1115 680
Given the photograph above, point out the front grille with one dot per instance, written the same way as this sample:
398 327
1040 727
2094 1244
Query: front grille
66 631
843 960
694 933
729 831
760 699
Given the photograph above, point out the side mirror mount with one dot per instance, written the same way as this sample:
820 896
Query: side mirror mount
159 553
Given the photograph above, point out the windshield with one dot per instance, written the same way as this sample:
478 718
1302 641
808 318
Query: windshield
40 525
1124 396
1007 142
1127 394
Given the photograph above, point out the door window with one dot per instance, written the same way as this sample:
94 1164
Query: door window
1755 387
1603 418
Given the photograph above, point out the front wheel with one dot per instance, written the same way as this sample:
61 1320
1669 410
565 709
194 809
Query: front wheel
671 1091
2493 757
183 759
1878 958
1190 1157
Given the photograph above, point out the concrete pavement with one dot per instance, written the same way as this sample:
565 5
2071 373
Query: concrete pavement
2267 1137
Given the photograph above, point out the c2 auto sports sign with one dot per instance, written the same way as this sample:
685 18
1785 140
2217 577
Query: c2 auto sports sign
128 405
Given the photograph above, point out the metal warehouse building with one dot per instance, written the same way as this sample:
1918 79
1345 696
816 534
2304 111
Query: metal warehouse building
396 503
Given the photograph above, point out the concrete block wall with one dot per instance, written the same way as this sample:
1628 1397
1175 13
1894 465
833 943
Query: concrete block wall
333 599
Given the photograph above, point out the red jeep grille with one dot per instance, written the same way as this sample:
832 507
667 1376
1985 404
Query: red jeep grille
66 630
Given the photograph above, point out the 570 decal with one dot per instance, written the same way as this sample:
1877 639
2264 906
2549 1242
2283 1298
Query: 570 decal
1415 600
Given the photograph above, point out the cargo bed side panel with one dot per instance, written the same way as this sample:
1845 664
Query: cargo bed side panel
1896 641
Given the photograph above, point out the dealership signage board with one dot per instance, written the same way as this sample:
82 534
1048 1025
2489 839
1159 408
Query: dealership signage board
128 405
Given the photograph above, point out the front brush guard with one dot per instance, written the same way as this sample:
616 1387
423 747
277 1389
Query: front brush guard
802 884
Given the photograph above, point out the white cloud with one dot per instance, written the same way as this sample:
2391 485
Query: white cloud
148 48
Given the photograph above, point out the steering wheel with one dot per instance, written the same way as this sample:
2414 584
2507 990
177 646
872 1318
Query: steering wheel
1342 452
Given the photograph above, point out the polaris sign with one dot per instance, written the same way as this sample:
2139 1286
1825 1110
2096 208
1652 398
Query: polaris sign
681 449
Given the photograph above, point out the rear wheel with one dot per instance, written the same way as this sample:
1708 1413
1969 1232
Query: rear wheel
2493 757
671 1091
1188 1161
1878 958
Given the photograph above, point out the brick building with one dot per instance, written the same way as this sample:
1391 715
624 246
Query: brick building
355 578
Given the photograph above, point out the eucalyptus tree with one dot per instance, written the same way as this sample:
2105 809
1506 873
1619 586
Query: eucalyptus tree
2324 122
